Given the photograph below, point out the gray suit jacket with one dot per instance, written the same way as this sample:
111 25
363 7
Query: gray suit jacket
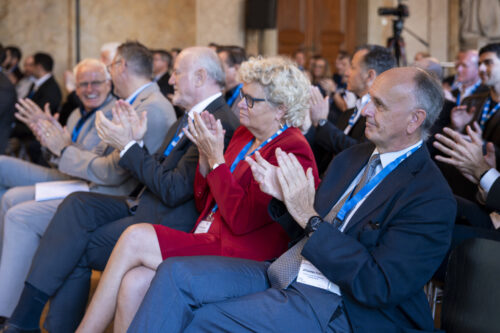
100 165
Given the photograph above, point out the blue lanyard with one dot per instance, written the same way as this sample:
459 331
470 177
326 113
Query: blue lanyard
352 202
487 113
79 125
134 96
179 134
235 94
471 92
243 152
355 113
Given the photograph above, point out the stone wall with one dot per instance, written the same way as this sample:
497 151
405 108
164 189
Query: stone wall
49 25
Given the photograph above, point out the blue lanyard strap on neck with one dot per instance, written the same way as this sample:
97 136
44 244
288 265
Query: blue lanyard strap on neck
352 202
244 151
235 94
487 113
79 125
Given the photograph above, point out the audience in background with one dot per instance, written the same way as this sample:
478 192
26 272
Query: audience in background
231 58
7 102
11 64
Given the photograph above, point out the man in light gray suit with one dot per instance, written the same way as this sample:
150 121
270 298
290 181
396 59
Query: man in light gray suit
25 222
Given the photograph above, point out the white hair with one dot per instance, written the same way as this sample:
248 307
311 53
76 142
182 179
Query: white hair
91 62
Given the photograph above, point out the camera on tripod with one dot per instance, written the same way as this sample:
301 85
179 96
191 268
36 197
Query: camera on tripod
401 11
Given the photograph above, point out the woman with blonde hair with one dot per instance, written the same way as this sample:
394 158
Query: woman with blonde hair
234 220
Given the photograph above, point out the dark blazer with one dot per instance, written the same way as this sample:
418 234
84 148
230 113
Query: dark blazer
460 185
48 92
7 110
329 140
169 198
165 87
493 198
390 248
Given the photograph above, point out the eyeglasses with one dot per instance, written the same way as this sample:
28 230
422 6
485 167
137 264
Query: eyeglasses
250 100
93 84
112 64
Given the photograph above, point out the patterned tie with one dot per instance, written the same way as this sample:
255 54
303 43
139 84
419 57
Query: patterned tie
284 270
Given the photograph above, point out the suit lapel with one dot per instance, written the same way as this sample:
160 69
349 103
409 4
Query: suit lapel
396 180
491 125
343 120
212 107
336 183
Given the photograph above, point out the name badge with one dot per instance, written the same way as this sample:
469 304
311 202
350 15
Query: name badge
203 227
310 275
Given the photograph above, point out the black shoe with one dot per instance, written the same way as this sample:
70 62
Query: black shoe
9 328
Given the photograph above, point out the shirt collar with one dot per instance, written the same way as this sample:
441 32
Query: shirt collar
470 89
387 158
137 92
201 106
159 76
42 80
361 102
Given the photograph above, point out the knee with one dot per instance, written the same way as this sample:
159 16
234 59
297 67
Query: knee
9 199
135 237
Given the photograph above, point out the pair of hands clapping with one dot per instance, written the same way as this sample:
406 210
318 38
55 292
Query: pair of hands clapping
126 126
466 153
208 135
46 128
286 182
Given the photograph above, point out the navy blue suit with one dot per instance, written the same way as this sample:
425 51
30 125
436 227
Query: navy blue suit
390 248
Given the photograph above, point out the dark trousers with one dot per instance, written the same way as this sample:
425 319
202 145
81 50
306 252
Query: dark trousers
220 294
79 238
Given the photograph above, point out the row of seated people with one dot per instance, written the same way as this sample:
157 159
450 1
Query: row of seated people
353 264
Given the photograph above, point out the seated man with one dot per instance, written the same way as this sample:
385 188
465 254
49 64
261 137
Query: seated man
86 226
481 107
327 138
480 169
77 153
365 247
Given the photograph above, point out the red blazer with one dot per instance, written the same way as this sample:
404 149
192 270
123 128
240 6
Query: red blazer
241 226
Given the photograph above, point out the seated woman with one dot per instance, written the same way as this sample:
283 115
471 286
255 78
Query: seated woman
234 220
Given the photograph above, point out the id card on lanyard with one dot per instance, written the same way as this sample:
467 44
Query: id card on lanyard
205 224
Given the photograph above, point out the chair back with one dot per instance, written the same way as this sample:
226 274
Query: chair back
471 299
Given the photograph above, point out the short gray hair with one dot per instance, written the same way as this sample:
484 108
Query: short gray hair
91 62
206 58
283 83
429 96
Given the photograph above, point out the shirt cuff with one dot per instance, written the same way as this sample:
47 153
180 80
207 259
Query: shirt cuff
488 179
130 144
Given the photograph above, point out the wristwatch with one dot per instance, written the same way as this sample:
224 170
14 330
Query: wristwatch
313 224
322 122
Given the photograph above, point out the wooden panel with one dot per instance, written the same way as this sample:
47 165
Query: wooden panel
316 26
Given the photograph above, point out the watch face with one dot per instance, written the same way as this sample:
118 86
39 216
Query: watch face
315 222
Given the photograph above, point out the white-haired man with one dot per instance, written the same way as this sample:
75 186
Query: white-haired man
87 225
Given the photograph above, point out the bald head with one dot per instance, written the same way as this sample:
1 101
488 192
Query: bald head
205 58
197 75
404 103
466 66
